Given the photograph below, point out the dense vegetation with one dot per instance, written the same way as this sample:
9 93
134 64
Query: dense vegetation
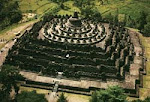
30 97
8 80
112 94
9 13
9 75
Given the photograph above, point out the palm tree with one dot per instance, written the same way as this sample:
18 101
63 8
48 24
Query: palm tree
62 98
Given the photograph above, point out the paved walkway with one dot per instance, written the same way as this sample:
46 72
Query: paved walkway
4 51
52 97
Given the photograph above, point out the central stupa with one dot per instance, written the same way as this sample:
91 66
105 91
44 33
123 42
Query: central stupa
74 21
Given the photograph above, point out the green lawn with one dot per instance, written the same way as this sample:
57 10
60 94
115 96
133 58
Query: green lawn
40 91
145 91
76 97
45 8
36 6
8 33
128 7
69 8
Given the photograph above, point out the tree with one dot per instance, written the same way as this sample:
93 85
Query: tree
112 94
4 97
94 97
82 3
62 98
115 20
8 78
109 17
62 5
146 30
101 2
91 13
78 3
147 99
9 13
129 21
30 97
148 19
141 20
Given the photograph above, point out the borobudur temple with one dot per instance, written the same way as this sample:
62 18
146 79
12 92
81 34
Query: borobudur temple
89 55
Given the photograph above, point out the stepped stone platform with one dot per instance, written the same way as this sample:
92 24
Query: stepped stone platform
91 55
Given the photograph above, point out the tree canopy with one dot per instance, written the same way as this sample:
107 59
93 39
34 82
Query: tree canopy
91 13
62 98
8 79
30 97
9 13
112 94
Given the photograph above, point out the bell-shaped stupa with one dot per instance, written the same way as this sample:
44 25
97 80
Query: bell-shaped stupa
74 21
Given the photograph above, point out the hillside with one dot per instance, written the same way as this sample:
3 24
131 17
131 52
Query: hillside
36 6
128 7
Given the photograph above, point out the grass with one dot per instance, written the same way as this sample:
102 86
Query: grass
40 91
76 97
148 67
14 26
41 6
71 97
69 8
128 7
36 6
145 91
45 8
26 5
5 34
2 45
130 99
146 81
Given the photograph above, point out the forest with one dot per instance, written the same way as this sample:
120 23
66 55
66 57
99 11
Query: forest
9 13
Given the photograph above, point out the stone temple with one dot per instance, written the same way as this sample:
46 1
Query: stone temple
90 55
74 31
74 21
